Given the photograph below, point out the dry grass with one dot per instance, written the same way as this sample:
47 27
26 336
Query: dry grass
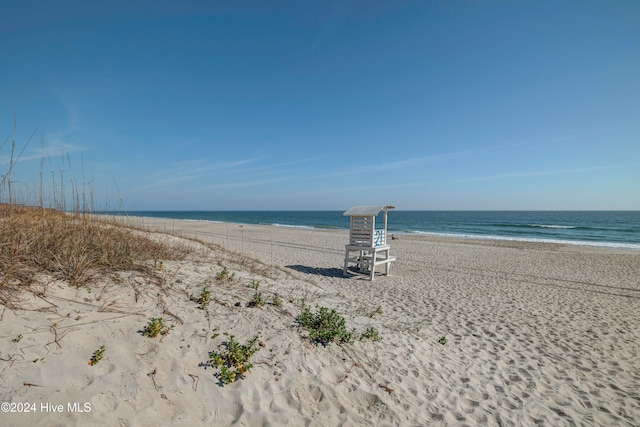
73 247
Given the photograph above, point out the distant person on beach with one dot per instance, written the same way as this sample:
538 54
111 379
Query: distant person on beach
393 237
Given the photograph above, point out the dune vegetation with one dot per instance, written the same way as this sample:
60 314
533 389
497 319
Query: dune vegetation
38 234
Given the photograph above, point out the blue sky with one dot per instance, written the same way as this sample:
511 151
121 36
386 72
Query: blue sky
281 105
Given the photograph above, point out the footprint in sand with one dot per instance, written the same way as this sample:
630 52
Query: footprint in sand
82 381
292 401
371 400
468 405
148 351
318 395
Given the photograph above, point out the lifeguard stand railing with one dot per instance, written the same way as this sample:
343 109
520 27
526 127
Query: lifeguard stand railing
367 247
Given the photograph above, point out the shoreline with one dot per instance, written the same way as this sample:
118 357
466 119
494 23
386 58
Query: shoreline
434 236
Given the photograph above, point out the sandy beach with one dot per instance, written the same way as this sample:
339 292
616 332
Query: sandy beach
474 332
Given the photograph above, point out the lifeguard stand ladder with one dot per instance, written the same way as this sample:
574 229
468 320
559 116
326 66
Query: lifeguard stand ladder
367 246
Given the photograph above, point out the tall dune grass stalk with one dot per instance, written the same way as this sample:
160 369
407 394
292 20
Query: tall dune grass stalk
73 246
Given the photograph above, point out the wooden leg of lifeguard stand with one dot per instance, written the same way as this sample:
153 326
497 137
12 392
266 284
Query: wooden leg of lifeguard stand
346 261
372 266
387 266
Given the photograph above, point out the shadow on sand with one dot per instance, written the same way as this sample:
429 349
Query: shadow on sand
327 272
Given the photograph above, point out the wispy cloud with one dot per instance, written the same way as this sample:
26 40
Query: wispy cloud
54 143
280 165
73 117
400 185
245 167
339 15
166 182
70 103
190 170
377 189
415 162
275 167
49 151
204 165
243 184
542 173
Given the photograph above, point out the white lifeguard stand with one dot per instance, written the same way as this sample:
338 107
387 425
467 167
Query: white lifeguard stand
367 246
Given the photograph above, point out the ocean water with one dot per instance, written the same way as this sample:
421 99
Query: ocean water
619 229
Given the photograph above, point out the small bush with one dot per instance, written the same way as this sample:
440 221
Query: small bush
156 327
97 356
276 300
371 333
232 358
258 299
443 340
204 298
225 275
325 325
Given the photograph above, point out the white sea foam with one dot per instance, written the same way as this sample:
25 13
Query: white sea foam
552 226
613 245
307 227
199 220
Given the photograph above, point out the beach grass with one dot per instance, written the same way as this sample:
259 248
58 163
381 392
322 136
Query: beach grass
73 247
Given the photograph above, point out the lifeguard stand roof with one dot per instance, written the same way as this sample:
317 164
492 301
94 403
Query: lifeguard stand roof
366 210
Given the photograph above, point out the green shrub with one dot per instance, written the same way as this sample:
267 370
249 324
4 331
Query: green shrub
232 358
371 333
97 356
156 327
258 299
225 275
203 300
324 325
276 300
